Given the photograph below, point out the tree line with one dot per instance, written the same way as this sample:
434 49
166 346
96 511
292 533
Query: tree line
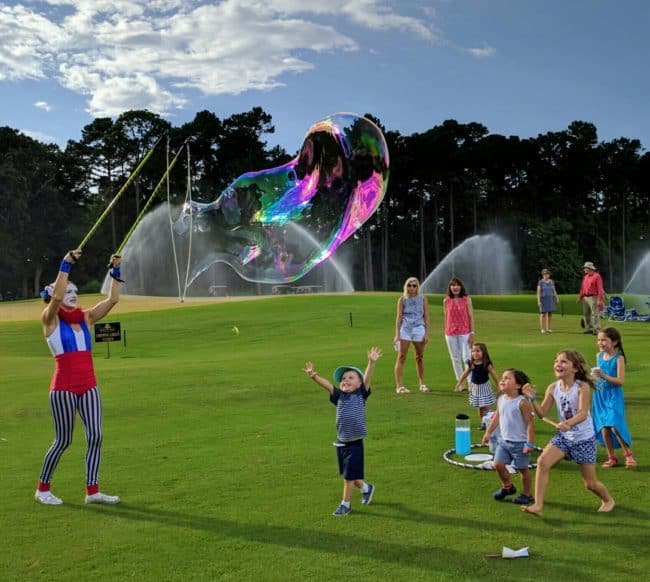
560 198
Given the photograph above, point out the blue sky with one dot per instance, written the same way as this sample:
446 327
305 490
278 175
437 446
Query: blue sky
520 67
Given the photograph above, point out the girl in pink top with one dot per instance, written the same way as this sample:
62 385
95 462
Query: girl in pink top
459 325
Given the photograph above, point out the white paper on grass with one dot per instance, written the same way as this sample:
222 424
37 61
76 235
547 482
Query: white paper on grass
510 553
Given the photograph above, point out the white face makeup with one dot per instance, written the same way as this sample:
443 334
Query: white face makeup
70 298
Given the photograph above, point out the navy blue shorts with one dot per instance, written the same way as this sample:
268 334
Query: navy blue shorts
350 459
582 452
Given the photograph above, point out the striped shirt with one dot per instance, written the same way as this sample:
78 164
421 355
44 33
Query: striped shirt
350 413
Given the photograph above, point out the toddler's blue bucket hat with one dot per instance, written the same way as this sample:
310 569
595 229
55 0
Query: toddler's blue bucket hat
338 373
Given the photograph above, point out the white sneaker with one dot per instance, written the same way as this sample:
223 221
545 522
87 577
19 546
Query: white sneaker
46 498
100 497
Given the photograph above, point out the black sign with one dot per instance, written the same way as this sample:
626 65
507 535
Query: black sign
108 332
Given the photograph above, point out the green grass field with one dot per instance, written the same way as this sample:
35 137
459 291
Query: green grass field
221 449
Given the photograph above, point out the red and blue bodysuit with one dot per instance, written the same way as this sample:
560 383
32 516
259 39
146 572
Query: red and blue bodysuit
72 351
73 389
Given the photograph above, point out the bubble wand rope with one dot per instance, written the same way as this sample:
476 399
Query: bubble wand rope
119 194
188 195
151 198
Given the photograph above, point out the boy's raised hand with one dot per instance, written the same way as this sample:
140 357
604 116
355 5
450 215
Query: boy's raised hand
374 354
309 369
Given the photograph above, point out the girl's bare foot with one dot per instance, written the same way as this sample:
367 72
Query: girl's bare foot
532 509
606 506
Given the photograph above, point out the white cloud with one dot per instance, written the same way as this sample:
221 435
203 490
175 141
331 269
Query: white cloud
145 53
481 53
138 91
44 105
28 44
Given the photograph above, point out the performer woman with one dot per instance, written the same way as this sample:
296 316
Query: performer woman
73 388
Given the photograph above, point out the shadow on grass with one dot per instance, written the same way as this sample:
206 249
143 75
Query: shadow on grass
619 511
424 555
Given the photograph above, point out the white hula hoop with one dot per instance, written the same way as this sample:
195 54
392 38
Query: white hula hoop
447 457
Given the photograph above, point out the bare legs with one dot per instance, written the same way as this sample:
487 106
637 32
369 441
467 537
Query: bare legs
612 460
419 361
545 321
607 432
348 487
399 364
550 457
597 488
526 481
482 411
401 358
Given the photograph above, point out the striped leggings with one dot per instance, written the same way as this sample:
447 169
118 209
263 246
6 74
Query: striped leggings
64 406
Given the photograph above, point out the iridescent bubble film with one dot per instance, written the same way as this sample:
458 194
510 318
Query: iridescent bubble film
274 226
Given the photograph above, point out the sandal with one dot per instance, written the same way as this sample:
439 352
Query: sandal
609 463
402 390
630 461
424 388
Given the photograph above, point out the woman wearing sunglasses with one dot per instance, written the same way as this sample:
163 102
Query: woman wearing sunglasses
411 327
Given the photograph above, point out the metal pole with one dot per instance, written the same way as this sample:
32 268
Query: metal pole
119 194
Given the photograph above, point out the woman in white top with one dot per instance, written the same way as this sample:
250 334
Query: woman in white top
575 439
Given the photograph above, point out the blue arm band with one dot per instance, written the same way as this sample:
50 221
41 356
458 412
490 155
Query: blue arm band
65 267
530 445
115 273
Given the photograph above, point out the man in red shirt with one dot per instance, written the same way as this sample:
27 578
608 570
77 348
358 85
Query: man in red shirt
592 296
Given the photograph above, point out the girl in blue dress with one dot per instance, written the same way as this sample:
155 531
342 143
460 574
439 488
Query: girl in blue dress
608 405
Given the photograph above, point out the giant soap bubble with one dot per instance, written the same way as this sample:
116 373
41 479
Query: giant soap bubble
274 226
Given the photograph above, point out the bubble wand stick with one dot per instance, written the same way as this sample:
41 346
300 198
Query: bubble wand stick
120 192
151 198
551 422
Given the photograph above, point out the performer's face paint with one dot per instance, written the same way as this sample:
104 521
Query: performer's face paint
70 298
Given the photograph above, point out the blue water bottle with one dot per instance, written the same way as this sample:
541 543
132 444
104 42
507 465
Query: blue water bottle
463 440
